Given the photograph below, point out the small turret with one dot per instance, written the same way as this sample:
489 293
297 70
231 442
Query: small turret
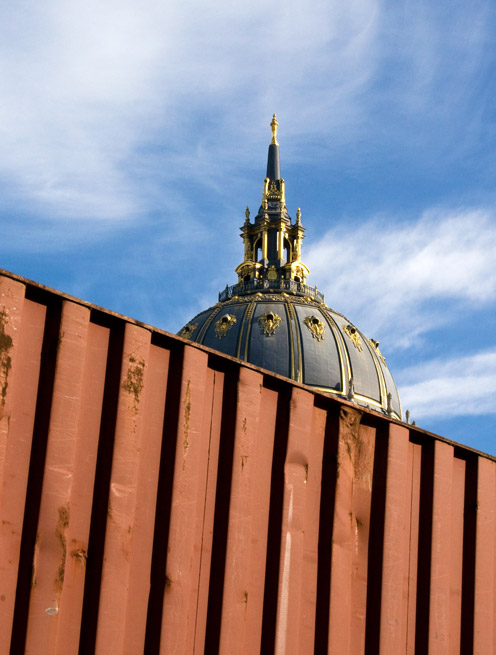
272 242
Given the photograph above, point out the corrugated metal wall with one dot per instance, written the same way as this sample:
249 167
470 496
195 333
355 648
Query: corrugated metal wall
159 498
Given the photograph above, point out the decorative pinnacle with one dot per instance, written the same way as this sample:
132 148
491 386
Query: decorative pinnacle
274 124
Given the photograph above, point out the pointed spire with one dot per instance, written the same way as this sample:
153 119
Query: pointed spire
272 243
273 166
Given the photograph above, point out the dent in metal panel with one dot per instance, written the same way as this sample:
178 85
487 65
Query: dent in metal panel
296 546
344 532
362 455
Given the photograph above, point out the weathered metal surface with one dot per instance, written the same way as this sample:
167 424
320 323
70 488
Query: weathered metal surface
157 497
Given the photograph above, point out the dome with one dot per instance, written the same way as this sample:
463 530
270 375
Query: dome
273 319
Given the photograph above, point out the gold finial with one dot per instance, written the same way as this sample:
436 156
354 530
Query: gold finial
247 214
274 125
298 215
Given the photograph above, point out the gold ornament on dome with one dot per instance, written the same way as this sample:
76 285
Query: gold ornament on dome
316 327
269 322
274 125
354 335
188 330
375 344
273 190
272 273
298 271
223 325
245 270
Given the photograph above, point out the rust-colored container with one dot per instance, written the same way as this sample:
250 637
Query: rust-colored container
157 497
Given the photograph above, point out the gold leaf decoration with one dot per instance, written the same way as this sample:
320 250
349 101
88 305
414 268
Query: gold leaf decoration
269 322
375 345
354 335
223 325
188 330
316 327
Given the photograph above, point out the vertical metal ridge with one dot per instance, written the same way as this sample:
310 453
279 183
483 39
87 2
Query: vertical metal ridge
135 449
13 457
101 488
35 475
303 461
423 581
470 512
48 614
393 626
162 507
326 513
375 554
221 512
187 507
245 558
271 582
485 570
212 421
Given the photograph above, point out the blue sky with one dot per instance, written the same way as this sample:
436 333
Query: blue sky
133 135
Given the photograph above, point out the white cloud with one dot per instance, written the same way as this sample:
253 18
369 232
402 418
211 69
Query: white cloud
447 388
400 281
87 87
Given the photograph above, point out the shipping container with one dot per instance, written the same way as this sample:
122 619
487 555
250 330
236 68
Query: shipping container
159 497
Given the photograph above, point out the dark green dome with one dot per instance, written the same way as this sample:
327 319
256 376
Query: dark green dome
273 319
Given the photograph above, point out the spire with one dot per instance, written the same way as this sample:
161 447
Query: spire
273 166
272 243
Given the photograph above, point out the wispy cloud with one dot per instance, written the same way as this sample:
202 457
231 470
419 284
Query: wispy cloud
87 88
401 280
455 387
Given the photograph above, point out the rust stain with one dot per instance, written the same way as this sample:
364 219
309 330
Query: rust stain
34 580
62 524
134 381
356 449
187 416
80 555
5 358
